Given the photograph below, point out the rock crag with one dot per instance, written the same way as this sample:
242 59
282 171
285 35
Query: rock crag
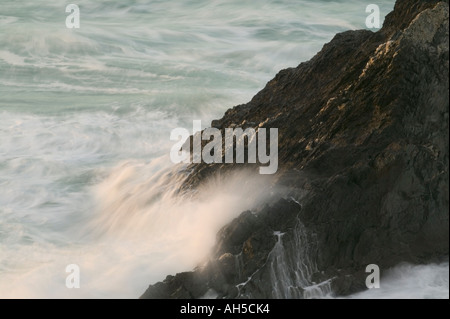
363 132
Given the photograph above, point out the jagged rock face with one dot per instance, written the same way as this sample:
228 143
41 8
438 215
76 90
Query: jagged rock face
364 128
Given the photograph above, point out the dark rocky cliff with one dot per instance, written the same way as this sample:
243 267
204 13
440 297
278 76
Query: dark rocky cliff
363 129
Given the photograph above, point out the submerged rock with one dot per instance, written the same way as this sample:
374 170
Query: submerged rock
363 127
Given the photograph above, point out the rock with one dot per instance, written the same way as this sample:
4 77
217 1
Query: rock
363 130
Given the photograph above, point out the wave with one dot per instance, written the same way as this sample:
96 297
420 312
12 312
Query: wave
411 282
137 230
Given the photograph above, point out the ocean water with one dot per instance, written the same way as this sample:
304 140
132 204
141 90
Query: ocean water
85 120
411 282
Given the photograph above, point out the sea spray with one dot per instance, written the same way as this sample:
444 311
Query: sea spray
140 229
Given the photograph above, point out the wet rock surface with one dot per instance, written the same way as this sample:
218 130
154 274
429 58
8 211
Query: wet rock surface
363 129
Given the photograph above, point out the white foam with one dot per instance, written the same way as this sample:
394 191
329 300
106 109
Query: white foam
12 58
412 282
131 232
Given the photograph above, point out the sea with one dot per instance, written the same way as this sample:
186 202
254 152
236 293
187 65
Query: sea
85 120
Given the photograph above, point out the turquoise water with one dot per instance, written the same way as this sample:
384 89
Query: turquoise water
85 120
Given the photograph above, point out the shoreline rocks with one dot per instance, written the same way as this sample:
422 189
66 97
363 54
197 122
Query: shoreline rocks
363 129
